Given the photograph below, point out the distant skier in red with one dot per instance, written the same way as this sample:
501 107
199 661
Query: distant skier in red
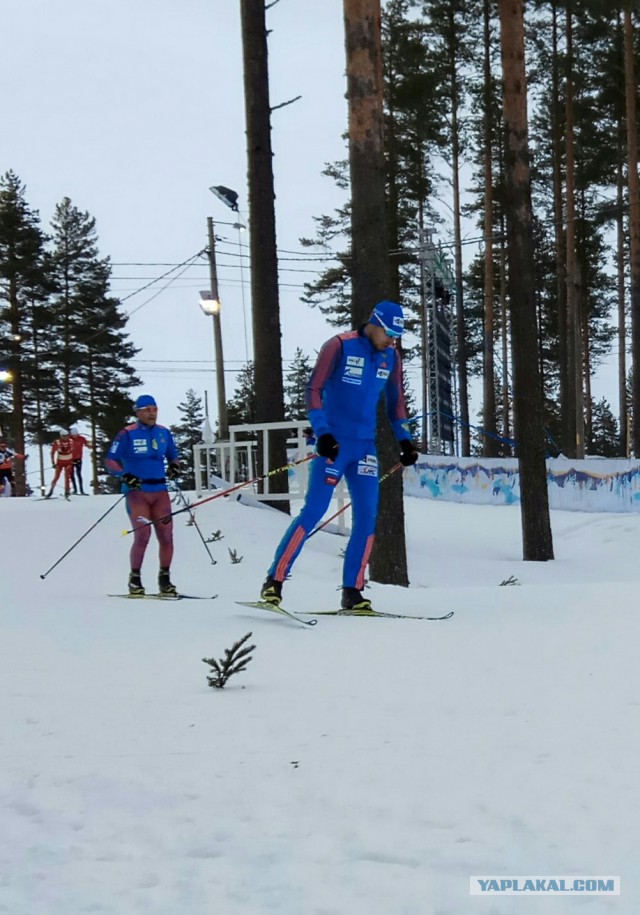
79 442
62 461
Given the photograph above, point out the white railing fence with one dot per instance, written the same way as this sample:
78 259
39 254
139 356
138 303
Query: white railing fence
236 461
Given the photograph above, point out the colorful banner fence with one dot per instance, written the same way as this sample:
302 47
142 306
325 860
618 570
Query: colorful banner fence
593 485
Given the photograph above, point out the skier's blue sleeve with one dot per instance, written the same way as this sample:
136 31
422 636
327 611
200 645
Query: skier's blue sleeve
117 453
396 404
172 453
328 359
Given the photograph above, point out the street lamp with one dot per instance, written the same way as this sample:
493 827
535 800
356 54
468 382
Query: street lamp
210 304
210 301
226 195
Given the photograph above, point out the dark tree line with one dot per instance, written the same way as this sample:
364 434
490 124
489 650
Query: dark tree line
63 336
445 139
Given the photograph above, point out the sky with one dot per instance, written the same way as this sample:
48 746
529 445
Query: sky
359 766
133 109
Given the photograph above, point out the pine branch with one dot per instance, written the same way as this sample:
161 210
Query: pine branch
217 535
235 661
235 559
511 580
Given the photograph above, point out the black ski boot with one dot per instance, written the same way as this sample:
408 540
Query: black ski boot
164 584
271 591
135 584
353 602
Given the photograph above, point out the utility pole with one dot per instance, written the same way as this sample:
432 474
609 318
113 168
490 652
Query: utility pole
214 311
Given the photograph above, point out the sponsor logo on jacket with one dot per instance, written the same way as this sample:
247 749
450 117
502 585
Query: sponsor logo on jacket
368 466
354 370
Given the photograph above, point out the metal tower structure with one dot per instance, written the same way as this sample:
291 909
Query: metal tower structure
438 336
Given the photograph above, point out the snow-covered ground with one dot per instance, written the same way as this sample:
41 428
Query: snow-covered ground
362 767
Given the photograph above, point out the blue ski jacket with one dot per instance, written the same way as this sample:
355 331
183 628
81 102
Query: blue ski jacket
345 386
141 450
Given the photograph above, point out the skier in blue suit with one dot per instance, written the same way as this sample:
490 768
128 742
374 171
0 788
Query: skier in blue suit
352 371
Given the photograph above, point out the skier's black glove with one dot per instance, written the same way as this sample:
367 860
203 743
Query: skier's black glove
408 453
132 481
173 471
327 446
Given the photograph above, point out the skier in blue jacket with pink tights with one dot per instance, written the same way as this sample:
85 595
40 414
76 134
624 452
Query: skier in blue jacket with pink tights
137 458
352 371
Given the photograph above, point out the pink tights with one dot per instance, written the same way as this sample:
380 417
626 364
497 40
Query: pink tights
145 510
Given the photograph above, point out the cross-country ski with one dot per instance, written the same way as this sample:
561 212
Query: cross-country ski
273 608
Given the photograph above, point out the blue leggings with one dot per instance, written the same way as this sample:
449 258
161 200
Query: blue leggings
357 461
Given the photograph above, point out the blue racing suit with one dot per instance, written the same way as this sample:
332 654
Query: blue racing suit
141 450
342 398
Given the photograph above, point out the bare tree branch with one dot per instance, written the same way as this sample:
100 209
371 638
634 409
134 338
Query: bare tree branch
284 104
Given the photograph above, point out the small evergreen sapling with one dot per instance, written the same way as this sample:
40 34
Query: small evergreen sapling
511 580
235 660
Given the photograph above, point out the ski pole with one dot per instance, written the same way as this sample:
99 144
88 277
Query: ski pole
226 492
101 518
348 505
195 524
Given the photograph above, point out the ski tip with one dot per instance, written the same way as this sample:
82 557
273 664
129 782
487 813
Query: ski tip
274 608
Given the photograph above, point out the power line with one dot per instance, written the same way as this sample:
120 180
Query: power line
168 272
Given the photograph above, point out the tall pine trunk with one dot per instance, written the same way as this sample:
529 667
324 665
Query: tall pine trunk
490 442
461 334
575 415
267 346
634 223
559 243
529 420
370 258
17 424
622 324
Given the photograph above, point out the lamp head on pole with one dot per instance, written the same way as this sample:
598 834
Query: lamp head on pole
226 195
208 304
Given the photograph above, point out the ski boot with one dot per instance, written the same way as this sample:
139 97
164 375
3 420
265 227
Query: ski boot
165 586
354 604
135 584
271 591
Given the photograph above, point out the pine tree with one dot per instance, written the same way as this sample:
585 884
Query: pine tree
528 398
267 344
295 386
91 351
604 440
21 279
242 406
188 433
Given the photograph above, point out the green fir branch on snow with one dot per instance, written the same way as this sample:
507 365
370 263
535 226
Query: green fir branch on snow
235 660
511 580
235 559
215 536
